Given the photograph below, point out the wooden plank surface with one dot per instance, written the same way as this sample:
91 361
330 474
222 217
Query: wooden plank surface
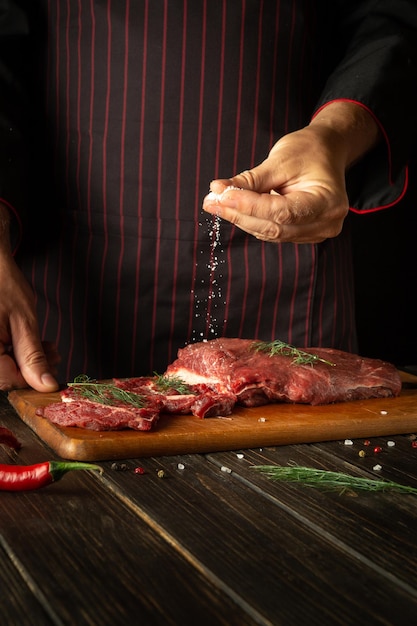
18 604
204 545
73 554
274 424
281 546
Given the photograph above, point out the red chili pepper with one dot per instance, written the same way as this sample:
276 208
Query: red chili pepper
26 477
8 438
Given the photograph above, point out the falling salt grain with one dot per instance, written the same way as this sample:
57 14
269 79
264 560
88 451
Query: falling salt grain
240 456
348 442
181 466
225 469
377 468
390 444
384 412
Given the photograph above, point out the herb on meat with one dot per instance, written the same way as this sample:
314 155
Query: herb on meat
329 481
172 383
105 393
280 348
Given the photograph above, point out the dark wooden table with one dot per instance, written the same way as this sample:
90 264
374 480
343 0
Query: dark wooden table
207 546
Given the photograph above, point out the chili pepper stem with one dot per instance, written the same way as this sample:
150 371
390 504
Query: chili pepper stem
57 469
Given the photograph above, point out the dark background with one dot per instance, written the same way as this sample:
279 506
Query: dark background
385 258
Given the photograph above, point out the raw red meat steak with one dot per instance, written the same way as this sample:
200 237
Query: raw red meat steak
74 410
256 378
224 372
202 401
84 413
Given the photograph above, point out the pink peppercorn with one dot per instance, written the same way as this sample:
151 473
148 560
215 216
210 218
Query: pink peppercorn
414 444
139 470
377 449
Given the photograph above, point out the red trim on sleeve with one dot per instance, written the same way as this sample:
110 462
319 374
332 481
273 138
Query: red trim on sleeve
386 206
385 136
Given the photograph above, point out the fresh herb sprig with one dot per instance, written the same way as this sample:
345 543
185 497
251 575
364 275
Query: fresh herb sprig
280 348
105 393
166 383
329 481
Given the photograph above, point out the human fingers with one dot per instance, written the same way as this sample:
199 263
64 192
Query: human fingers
35 366
298 217
10 374
261 178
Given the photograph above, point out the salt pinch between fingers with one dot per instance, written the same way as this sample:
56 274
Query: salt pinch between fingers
218 197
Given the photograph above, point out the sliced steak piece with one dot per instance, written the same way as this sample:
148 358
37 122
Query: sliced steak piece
74 410
256 378
96 416
213 404
169 402
202 402
83 413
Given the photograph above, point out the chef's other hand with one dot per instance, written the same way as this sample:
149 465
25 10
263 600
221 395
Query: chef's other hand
24 359
298 193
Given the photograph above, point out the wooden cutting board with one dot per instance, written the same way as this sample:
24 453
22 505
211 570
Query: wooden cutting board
274 424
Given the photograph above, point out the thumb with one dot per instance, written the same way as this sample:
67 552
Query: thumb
257 179
33 364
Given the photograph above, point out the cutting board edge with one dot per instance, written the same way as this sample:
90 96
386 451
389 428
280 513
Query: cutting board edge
81 450
85 452
99 447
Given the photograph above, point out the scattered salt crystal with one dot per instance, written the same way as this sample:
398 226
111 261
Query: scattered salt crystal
384 412
225 469
348 442
390 444
262 419
240 456
377 468
181 466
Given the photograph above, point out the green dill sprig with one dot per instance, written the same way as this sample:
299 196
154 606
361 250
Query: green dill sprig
329 481
105 393
166 383
280 348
